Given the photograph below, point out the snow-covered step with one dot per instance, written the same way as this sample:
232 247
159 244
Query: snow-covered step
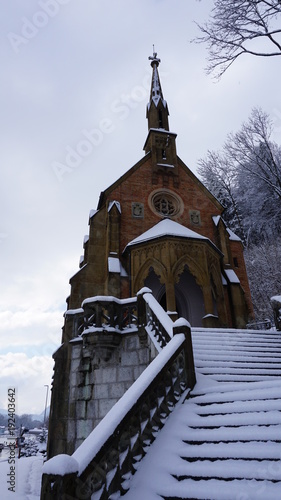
263 405
242 369
227 469
254 363
224 434
255 391
258 450
246 344
206 348
233 356
224 377
235 419
220 490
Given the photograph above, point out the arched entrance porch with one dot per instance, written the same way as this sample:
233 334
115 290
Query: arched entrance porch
188 295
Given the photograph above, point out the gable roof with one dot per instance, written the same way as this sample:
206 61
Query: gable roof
166 227
105 194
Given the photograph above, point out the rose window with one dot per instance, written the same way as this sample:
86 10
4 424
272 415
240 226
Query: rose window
165 204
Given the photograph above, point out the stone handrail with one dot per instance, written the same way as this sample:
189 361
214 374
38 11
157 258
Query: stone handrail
259 325
158 324
106 460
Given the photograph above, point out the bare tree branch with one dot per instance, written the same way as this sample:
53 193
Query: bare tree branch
235 27
246 178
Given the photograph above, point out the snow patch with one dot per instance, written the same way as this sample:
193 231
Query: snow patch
232 276
61 465
116 203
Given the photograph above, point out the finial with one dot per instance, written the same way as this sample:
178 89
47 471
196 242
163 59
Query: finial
154 59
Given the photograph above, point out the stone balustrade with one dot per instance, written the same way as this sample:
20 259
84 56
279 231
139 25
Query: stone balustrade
116 446
105 461
104 312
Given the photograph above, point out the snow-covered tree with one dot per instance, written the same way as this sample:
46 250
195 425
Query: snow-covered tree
220 176
252 150
263 263
246 178
238 27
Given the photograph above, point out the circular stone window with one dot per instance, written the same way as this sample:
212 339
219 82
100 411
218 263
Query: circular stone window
165 203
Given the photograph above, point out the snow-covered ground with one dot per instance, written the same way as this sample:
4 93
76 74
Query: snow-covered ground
28 475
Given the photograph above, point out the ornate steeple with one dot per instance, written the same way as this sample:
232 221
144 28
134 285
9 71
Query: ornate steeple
157 109
160 141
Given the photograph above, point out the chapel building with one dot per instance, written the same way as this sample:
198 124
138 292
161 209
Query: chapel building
159 226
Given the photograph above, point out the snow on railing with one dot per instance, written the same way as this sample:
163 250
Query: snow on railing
159 325
106 313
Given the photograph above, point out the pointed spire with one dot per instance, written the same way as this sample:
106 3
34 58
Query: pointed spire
154 59
156 91
157 109
160 142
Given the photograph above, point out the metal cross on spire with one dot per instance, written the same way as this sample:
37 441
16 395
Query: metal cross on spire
154 59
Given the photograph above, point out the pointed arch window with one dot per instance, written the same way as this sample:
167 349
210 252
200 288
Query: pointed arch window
160 118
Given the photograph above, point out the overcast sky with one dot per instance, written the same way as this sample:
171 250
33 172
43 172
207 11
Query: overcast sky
71 68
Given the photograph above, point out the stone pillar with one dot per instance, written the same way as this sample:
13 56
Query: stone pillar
208 299
276 306
170 296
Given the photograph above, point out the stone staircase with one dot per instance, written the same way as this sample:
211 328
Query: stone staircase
237 355
224 441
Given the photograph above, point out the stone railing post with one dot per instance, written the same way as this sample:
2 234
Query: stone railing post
141 304
181 325
276 306
98 311
60 487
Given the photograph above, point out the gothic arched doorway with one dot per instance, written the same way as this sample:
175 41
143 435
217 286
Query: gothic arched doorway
152 281
189 298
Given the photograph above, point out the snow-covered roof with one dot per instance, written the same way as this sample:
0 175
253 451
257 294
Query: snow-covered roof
224 282
163 130
232 235
71 312
165 165
216 219
166 227
92 213
232 276
115 266
112 203
277 298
